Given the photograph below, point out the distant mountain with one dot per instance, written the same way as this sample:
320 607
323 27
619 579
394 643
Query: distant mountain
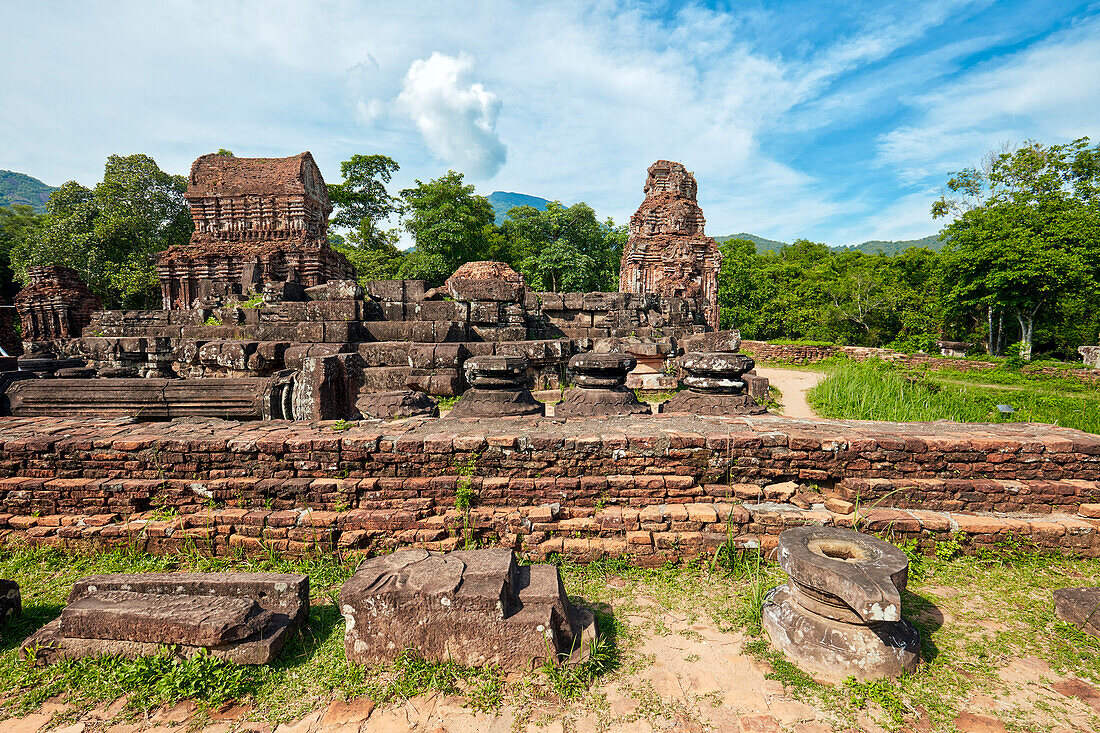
762 244
879 247
874 246
504 201
19 188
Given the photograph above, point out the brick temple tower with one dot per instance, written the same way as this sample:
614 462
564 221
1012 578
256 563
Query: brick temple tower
55 305
668 253
256 220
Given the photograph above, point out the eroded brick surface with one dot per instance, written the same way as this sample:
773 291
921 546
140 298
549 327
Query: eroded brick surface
656 486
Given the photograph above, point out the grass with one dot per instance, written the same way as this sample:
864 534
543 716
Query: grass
653 395
311 670
977 616
446 403
877 390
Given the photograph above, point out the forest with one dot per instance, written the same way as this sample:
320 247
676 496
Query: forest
1019 271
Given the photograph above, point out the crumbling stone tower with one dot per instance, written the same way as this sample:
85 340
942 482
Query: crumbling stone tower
668 253
55 305
257 220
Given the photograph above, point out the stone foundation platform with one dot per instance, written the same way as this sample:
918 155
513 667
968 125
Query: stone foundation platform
653 486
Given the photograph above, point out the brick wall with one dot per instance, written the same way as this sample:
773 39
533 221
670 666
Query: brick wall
648 536
55 466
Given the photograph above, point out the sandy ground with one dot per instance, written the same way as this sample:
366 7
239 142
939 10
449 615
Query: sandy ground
794 385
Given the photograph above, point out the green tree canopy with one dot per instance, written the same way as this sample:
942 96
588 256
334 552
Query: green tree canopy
450 224
564 249
111 233
1026 234
363 204
19 226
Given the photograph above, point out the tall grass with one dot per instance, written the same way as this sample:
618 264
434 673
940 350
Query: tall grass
876 390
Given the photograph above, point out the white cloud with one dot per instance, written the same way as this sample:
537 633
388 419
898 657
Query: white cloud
568 99
1046 92
456 117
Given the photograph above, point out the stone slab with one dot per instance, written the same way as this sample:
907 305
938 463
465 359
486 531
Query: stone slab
277 605
1080 607
163 619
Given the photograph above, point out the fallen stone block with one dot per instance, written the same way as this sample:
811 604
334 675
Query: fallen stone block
244 618
1080 607
396 405
476 607
11 604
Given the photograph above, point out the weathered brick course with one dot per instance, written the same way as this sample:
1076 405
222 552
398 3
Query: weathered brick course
677 482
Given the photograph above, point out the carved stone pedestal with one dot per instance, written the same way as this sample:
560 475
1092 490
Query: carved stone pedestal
497 389
601 390
839 615
714 385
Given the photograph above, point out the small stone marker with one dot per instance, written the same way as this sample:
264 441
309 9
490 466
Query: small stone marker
1080 607
601 387
239 617
497 389
476 607
11 605
839 615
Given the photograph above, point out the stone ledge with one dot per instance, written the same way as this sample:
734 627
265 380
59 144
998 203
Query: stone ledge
651 535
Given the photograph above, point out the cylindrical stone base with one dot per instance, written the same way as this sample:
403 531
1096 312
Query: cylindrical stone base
477 402
587 402
698 402
832 651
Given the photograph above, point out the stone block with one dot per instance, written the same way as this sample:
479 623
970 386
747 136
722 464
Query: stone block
476 607
11 604
240 617
1079 606
396 405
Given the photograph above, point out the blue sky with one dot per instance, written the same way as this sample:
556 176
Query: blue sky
835 121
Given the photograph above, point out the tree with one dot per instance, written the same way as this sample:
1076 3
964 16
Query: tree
19 225
450 224
363 205
563 249
1026 233
111 233
362 201
745 293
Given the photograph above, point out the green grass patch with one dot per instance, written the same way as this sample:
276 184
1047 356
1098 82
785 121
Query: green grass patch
446 403
976 614
311 670
877 390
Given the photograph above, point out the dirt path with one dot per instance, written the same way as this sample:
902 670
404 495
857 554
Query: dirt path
794 385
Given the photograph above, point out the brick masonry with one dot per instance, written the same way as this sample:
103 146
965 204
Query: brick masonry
654 486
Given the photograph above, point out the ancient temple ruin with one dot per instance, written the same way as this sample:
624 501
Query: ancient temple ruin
257 221
261 319
54 306
668 253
